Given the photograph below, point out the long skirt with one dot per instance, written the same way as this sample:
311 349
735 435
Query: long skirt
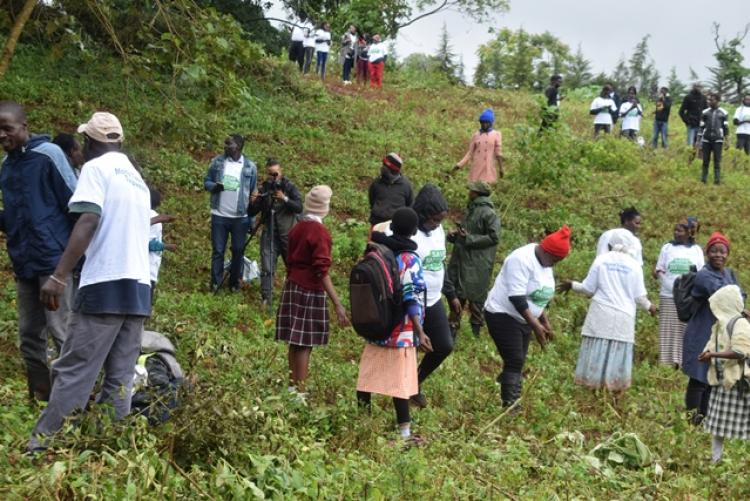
671 332
302 319
388 371
604 363
728 412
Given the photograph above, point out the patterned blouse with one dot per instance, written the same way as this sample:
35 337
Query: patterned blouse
413 289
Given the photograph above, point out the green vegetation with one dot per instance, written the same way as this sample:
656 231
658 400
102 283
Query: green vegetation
239 434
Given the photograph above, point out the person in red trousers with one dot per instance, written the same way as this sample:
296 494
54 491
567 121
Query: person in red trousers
378 54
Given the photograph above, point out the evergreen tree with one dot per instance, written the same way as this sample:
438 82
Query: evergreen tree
579 71
676 88
447 57
642 69
729 77
694 78
620 77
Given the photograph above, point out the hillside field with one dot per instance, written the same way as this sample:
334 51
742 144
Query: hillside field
240 435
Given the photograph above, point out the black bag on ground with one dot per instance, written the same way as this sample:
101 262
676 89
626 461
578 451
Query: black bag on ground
158 396
684 302
375 293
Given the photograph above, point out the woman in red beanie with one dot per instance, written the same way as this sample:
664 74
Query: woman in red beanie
515 306
712 277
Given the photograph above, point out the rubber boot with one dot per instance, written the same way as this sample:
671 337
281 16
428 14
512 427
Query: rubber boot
704 175
510 388
717 176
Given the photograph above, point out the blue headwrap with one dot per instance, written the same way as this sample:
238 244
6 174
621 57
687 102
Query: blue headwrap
487 116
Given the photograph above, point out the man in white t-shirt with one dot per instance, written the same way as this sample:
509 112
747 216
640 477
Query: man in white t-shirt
231 180
322 46
742 121
631 113
296 47
602 108
114 297
630 220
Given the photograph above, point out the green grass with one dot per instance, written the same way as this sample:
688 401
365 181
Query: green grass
239 435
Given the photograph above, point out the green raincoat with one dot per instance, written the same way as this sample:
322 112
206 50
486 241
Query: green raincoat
470 267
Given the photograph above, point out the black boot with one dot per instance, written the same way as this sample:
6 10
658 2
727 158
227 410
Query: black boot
704 175
510 387
39 384
717 176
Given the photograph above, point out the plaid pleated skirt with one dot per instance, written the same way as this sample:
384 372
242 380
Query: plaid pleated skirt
728 412
671 332
388 371
302 318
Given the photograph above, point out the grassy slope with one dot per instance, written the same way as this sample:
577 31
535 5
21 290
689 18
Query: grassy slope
241 435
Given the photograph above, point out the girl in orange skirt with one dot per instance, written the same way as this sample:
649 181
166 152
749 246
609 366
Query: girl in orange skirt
389 367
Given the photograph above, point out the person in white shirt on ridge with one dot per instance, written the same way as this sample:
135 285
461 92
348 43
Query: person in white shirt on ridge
602 108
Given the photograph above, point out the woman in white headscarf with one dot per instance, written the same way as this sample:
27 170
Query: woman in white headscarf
615 283
726 353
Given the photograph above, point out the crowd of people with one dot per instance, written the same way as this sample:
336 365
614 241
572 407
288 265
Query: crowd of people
360 53
707 123
85 241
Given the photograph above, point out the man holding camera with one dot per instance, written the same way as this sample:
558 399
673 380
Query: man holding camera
278 202
230 180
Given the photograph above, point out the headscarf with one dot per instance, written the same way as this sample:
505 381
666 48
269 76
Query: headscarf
622 240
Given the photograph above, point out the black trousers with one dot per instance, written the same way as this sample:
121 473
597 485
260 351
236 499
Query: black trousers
743 143
400 404
436 328
601 128
697 396
712 147
297 53
511 338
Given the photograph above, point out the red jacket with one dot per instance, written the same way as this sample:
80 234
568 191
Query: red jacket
309 255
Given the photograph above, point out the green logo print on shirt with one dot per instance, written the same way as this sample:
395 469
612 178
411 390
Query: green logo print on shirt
231 183
434 260
679 266
542 296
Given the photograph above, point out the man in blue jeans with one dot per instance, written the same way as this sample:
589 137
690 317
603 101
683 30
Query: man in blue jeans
661 118
230 180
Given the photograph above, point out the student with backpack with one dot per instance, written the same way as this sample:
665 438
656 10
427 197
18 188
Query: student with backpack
676 258
726 356
712 277
389 366
302 318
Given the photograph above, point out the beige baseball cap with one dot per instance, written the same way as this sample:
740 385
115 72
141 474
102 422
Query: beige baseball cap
103 127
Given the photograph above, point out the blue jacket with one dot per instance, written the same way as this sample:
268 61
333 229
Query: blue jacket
247 184
36 184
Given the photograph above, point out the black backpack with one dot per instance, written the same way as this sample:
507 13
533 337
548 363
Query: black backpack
375 293
684 302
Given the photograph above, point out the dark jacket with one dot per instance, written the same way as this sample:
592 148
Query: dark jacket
285 213
692 107
663 107
36 184
714 124
387 196
618 102
470 266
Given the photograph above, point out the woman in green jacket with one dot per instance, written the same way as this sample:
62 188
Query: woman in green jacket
474 248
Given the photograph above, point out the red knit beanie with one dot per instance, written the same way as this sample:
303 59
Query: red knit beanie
717 238
557 243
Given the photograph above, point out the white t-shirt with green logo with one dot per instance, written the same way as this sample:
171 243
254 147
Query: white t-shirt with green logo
231 182
431 250
676 260
521 275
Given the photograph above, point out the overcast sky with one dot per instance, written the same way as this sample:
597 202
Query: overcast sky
680 30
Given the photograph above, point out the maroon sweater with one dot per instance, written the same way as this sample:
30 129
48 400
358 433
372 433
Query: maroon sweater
309 255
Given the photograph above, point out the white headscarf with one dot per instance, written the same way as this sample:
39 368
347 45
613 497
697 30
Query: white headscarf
622 240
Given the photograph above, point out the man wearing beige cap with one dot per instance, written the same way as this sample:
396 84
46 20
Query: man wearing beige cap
114 297
36 181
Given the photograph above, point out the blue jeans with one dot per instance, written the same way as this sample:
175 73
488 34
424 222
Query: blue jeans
221 229
660 129
320 68
692 133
